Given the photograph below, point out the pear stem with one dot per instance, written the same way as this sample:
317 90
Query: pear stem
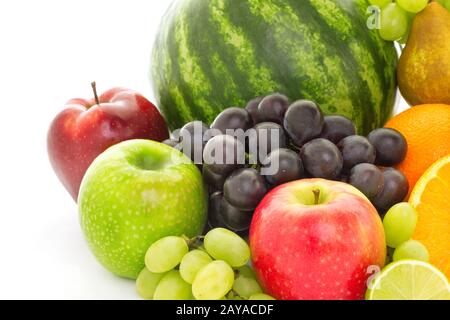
94 88
316 196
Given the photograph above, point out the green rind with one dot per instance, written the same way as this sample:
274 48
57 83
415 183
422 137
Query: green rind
213 54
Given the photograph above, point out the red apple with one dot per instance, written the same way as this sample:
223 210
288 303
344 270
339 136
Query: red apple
316 240
86 128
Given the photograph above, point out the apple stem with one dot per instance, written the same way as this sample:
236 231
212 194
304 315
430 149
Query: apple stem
94 88
316 196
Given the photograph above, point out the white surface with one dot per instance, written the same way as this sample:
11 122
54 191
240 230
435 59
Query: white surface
50 51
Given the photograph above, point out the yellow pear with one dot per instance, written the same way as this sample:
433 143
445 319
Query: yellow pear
424 67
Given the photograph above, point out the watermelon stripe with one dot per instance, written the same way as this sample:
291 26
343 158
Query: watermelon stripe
298 22
205 49
169 96
366 56
348 58
218 70
386 59
189 76
238 53
242 17
379 54
336 24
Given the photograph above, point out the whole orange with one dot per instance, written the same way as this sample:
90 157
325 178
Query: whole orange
427 131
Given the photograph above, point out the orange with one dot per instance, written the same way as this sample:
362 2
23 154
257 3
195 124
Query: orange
431 198
427 131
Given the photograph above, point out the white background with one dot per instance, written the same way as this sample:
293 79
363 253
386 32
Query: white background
50 51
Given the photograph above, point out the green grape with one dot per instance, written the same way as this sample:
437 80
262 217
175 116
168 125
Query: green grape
246 287
399 224
411 250
192 263
223 244
165 254
173 287
379 3
214 281
393 22
261 296
413 6
445 3
246 271
147 282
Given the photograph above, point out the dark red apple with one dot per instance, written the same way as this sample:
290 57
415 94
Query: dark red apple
86 128
316 240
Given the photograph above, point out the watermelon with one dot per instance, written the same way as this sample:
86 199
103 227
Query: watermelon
214 54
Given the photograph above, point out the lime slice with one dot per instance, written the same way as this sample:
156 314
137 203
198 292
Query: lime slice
409 280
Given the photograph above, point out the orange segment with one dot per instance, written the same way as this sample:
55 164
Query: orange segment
431 198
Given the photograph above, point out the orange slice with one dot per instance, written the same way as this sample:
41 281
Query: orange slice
431 198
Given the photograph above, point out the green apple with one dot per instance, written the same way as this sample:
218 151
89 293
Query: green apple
134 194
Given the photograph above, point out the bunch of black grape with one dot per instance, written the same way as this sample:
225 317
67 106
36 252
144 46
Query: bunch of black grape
303 142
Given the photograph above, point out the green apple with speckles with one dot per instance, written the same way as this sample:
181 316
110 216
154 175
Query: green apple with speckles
134 194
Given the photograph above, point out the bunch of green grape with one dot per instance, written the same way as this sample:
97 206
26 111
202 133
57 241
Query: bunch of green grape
399 226
397 16
215 270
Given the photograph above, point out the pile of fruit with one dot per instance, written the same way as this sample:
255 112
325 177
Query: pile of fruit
325 196
408 257
214 270
297 141
399 225
424 67
396 17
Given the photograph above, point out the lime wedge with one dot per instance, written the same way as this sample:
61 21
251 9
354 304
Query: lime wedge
409 280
